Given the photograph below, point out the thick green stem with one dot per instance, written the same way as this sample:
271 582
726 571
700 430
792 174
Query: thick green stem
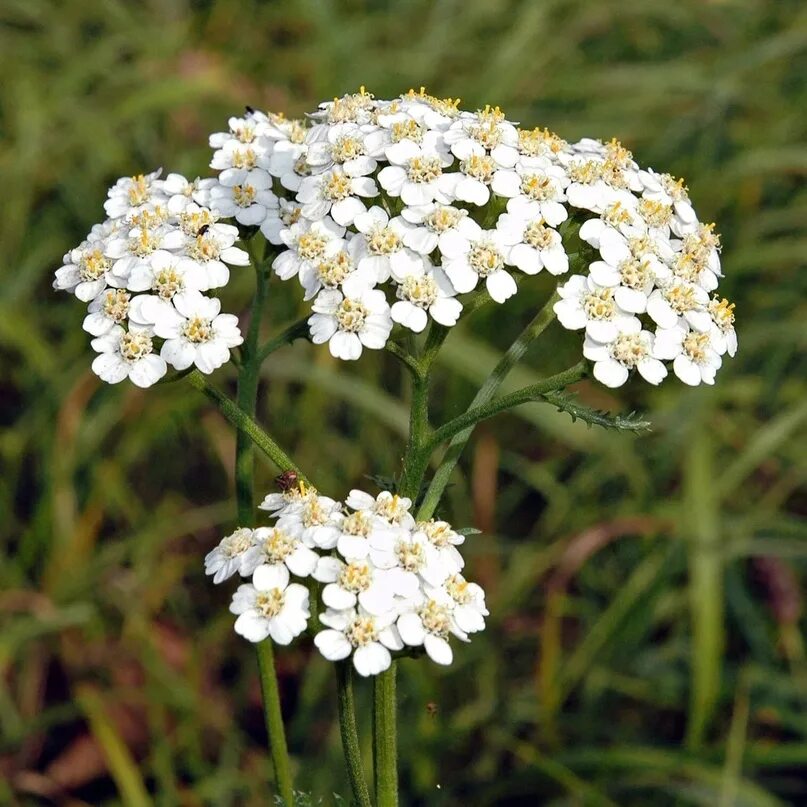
385 738
514 353
350 736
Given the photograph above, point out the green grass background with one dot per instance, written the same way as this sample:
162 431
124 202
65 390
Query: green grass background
646 639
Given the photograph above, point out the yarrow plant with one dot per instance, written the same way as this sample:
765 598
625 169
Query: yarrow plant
394 217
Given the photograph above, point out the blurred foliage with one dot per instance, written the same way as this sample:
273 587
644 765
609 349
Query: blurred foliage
646 638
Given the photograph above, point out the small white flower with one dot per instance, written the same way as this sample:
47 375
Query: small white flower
369 638
343 145
695 358
109 308
350 323
471 254
614 361
231 556
535 189
389 507
335 193
416 170
534 245
288 501
429 624
248 202
212 249
467 602
274 545
309 243
127 354
235 160
167 275
445 541
413 553
425 224
182 192
379 249
195 331
315 521
130 194
423 294
680 299
87 270
139 249
279 219
482 133
584 304
723 335
353 582
270 606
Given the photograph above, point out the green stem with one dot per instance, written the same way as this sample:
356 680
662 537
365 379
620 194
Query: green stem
274 721
385 738
350 736
244 423
485 394
297 330
534 392
245 442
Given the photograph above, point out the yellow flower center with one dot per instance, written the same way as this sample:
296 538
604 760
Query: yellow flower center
439 533
269 603
681 298
278 545
655 213
406 130
204 248
116 304
333 271
421 291
383 241
695 346
410 555
616 214
134 345
457 588
599 305
424 169
435 617
538 186
311 245
634 273
244 195
585 172
480 167
351 315
629 349
167 282
92 265
138 191
244 158
191 222
722 312
347 148
336 187
485 259
358 524
538 235
355 577
237 543
535 142
361 631
197 330
444 218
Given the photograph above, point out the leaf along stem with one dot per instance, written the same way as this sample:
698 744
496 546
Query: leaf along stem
485 394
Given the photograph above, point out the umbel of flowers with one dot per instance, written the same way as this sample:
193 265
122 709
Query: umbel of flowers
390 585
389 213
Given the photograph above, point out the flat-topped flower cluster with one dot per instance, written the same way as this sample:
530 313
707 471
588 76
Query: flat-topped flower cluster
388 212
386 582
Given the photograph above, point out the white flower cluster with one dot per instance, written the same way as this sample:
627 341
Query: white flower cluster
143 272
387 212
389 582
394 208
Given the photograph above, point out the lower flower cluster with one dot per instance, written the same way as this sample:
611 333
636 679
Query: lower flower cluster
386 581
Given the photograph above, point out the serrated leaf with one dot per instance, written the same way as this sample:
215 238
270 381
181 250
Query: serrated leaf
632 422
